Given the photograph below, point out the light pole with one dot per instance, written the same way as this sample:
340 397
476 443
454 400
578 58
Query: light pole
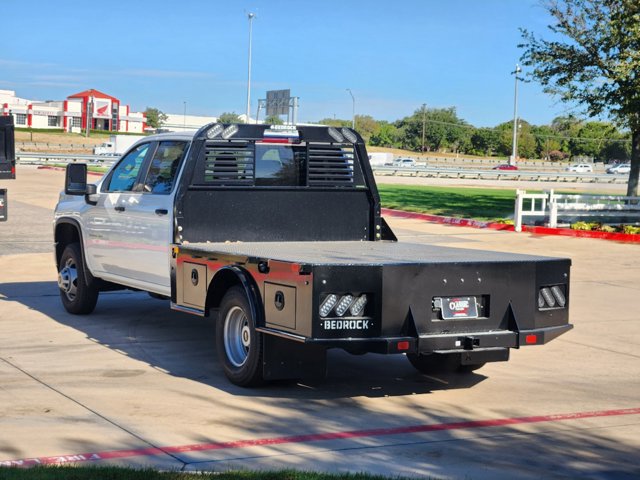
514 149
184 116
353 114
250 16
424 121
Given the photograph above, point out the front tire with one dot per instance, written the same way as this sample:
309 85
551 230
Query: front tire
77 296
239 345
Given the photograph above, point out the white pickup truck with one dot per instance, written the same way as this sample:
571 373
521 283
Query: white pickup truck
278 230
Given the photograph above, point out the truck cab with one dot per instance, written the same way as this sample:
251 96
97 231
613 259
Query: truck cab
126 224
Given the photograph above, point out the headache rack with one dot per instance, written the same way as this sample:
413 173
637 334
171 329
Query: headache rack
252 163
298 184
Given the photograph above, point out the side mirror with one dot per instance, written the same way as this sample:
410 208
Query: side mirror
75 182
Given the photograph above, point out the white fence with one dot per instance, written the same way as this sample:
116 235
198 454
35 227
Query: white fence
553 206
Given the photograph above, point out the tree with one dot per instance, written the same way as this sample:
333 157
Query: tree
443 130
386 136
526 140
335 122
273 120
484 141
593 60
366 126
229 117
155 117
547 141
592 138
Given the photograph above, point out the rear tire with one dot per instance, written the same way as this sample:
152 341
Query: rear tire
438 363
239 345
78 297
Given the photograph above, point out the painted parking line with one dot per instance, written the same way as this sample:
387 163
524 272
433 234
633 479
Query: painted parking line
313 437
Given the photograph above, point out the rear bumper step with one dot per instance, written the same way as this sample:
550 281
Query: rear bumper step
445 343
498 339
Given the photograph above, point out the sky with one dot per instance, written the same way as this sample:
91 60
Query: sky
393 55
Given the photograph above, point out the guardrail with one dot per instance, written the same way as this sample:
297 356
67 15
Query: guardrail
557 206
422 171
40 158
437 172
56 145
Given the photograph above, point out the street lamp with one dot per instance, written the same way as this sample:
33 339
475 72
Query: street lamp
353 114
514 149
184 117
250 16
424 121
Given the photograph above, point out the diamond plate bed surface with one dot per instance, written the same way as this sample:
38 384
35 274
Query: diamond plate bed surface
357 253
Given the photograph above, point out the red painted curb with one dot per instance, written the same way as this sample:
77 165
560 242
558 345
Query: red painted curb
313 437
465 222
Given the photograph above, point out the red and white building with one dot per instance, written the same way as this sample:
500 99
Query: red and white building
102 111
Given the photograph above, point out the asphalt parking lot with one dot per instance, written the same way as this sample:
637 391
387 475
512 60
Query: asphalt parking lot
137 384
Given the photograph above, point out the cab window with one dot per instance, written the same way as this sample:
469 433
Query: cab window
123 178
280 165
164 167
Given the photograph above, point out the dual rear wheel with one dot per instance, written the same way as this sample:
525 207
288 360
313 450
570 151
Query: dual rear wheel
239 345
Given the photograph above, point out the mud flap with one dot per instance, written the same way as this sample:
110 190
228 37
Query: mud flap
286 359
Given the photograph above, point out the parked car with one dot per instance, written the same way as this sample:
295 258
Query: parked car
405 162
505 166
580 168
620 168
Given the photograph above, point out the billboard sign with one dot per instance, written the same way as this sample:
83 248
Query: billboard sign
278 102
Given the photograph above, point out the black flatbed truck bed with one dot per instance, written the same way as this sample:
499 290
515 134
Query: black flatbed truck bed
406 285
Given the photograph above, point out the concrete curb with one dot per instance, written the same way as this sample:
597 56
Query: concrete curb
465 222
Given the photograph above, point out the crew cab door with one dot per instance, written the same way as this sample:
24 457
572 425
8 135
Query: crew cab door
131 226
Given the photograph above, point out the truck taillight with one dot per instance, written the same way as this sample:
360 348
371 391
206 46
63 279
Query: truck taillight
341 304
327 305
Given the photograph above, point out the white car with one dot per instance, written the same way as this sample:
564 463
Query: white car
620 168
405 162
580 168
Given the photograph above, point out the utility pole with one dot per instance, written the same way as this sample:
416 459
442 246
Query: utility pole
514 147
424 121
184 117
250 16
353 114
89 111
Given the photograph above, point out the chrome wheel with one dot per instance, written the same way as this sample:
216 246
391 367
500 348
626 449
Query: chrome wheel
237 336
68 279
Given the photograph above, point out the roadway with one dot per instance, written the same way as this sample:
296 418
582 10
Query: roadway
535 173
137 384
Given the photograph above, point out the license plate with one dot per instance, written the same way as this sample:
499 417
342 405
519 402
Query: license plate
456 308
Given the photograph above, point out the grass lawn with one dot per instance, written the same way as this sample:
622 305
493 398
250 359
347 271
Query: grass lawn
118 473
477 203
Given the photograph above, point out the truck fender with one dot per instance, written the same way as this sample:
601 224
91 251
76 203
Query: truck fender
68 230
230 276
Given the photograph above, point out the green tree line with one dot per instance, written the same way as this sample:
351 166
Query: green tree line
442 130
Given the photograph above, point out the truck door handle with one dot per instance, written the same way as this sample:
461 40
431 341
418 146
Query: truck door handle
161 211
119 208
